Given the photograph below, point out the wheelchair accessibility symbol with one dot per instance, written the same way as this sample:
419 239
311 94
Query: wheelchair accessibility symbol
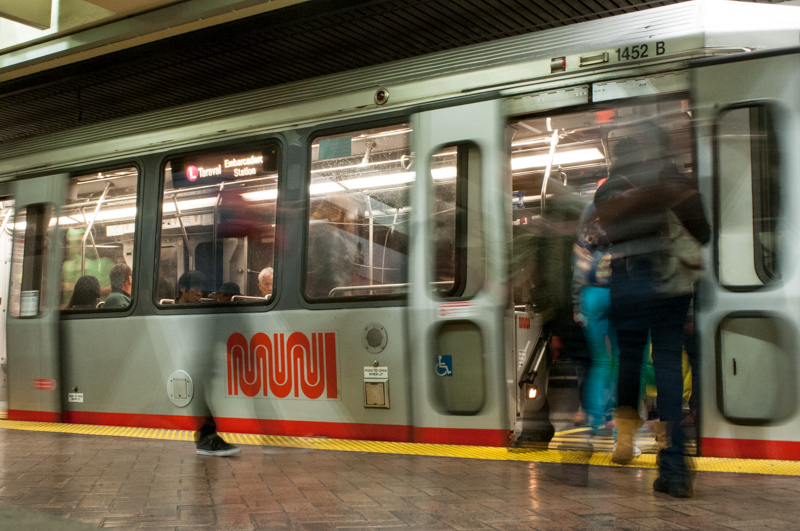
445 366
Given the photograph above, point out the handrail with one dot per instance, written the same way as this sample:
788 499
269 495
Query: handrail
249 298
381 286
185 236
90 226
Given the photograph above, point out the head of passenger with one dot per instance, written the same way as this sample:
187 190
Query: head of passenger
85 295
191 286
121 278
265 281
226 291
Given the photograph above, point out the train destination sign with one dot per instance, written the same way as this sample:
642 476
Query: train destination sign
217 168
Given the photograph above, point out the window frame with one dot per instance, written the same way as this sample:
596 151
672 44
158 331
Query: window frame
67 315
773 108
217 148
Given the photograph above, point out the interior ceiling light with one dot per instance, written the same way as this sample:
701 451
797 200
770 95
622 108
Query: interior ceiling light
562 158
261 195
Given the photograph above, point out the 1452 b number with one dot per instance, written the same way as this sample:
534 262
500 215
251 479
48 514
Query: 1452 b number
631 53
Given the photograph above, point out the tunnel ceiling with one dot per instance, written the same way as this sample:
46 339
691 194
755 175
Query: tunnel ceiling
307 40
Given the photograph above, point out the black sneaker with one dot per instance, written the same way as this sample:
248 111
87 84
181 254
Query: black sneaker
214 445
676 489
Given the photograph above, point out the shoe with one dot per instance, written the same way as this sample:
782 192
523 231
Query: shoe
214 445
676 489
628 423
579 418
636 451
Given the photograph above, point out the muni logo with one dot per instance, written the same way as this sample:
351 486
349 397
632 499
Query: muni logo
524 323
282 365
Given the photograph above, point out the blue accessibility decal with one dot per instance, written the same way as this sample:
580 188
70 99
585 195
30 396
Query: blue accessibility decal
445 366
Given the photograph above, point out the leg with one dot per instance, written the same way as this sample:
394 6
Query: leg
631 343
594 306
667 337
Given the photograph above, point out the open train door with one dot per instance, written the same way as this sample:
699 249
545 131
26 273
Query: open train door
34 290
458 293
748 309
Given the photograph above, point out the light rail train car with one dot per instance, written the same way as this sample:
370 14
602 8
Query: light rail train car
356 234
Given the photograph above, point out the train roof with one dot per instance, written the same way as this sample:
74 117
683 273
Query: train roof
512 65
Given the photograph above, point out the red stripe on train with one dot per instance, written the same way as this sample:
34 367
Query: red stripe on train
33 416
297 428
750 449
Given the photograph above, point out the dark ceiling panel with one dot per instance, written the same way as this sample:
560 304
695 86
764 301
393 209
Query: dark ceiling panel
300 42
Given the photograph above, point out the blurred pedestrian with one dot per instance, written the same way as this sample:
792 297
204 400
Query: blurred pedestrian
655 222
591 299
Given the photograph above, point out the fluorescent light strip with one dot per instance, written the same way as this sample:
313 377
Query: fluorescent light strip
261 195
565 157
351 166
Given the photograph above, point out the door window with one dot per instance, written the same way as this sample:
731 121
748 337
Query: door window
747 182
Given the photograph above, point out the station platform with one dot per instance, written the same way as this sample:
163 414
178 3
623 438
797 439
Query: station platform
67 476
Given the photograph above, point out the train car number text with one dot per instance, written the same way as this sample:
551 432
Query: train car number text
641 51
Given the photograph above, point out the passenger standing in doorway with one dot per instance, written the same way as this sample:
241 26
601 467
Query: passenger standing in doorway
265 281
655 222
591 299
191 287
121 282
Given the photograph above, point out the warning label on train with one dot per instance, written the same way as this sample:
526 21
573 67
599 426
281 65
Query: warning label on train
454 310
376 372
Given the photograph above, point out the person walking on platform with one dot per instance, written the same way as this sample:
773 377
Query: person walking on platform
655 222
191 286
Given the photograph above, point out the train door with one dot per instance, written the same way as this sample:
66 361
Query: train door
748 311
6 240
32 327
456 318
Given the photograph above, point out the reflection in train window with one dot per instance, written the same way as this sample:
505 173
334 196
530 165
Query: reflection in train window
360 210
747 181
98 222
218 228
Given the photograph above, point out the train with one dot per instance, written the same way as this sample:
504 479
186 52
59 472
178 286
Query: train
335 257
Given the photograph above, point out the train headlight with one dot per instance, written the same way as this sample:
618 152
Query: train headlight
532 392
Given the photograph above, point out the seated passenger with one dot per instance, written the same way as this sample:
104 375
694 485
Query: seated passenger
265 282
121 279
191 286
226 292
85 295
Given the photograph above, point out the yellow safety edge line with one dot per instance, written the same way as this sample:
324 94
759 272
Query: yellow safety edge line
567 455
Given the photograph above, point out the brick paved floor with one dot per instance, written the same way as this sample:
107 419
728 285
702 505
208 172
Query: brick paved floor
150 484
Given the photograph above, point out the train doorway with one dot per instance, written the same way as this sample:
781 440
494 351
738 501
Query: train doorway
567 360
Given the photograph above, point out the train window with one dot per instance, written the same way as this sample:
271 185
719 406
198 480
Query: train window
28 260
99 223
218 228
360 212
747 181
756 369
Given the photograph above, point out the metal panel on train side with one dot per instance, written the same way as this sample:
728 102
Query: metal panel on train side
748 324
33 342
314 385
458 364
